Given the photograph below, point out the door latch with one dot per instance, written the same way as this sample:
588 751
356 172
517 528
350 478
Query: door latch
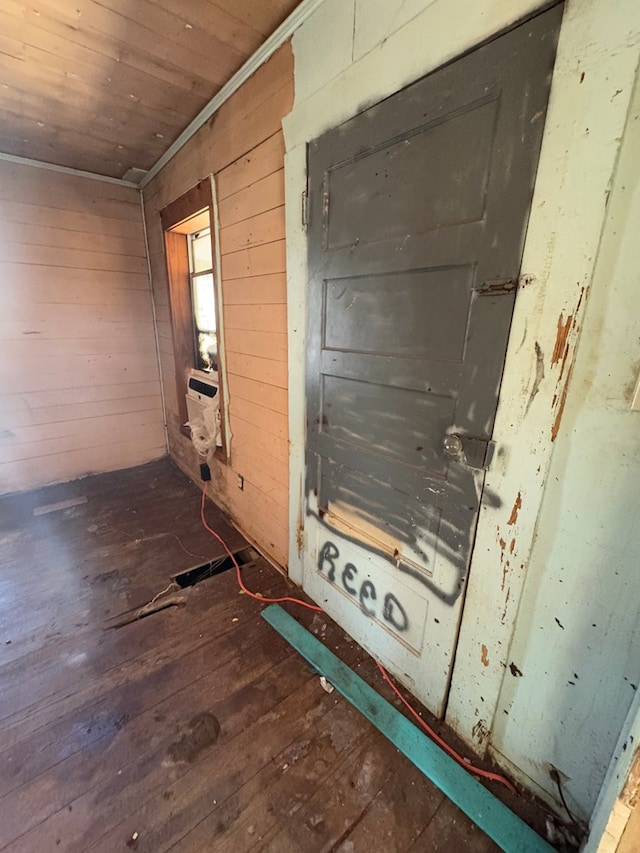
469 450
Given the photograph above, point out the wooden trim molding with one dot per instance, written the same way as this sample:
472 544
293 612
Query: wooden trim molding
66 170
194 201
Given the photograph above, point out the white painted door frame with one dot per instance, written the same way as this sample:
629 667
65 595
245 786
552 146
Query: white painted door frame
579 153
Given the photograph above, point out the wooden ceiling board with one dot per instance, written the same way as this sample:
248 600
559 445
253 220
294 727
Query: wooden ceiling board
121 35
106 85
262 15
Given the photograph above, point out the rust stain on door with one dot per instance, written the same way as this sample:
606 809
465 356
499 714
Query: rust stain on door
484 655
561 351
560 410
560 347
517 506
505 570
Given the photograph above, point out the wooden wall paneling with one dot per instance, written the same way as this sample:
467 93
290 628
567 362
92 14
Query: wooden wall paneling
56 256
257 197
63 238
262 518
42 440
69 193
256 231
120 453
243 146
260 369
257 290
156 247
75 397
267 345
262 161
257 442
68 285
71 371
126 350
47 415
79 385
271 473
268 396
16 213
267 420
258 260
249 130
256 317
63 321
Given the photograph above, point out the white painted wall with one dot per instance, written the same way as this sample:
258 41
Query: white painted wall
577 634
79 384
370 49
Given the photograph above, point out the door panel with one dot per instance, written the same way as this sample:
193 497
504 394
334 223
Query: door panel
446 155
431 307
418 209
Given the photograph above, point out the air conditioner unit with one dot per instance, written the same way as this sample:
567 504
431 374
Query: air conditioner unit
203 409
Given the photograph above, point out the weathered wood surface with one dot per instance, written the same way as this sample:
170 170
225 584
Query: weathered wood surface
88 717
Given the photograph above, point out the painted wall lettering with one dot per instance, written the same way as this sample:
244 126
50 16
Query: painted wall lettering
349 572
392 611
328 554
367 593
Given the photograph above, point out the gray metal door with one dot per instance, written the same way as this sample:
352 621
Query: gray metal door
418 210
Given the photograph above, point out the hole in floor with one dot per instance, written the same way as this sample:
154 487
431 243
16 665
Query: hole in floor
191 577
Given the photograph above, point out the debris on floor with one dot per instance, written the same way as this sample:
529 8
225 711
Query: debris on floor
154 606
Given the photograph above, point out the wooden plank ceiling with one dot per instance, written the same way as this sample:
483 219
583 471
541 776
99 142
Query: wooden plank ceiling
107 85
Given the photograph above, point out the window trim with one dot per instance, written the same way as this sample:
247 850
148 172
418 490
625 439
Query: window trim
198 199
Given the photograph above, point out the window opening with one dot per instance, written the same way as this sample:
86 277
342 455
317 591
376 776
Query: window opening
203 300
194 303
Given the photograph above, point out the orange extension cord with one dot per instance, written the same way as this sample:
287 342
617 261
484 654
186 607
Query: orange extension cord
463 762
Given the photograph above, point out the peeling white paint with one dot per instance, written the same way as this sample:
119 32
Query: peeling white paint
577 638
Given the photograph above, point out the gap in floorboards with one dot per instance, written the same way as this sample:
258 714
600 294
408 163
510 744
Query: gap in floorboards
193 576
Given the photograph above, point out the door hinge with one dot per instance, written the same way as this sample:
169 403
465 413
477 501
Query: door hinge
304 211
497 287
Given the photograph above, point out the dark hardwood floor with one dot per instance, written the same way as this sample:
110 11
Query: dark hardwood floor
106 737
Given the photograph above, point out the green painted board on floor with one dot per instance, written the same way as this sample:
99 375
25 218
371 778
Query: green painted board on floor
494 818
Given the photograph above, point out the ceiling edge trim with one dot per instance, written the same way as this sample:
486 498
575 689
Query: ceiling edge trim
66 170
262 54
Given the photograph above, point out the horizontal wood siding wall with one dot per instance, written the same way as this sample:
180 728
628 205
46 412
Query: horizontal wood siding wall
79 385
243 147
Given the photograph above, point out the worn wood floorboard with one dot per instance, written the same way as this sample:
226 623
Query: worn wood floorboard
96 750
